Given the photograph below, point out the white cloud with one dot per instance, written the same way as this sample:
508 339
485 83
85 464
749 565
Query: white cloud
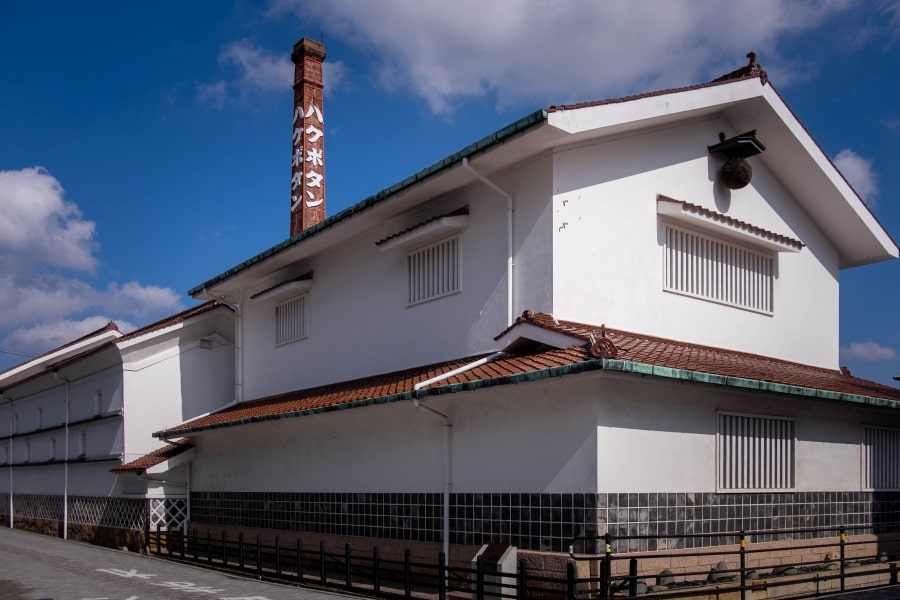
38 226
537 50
47 257
868 351
859 174
257 70
214 93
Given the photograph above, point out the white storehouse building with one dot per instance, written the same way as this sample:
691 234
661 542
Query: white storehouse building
70 418
617 315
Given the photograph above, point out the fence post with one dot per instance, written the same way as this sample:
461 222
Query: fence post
183 540
258 554
224 549
376 571
158 540
743 565
277 557
322 577
442 576
194 538
479 579
606 568
632 577
208 547
299 559
843 556
347 576
407 574
570 579
522 583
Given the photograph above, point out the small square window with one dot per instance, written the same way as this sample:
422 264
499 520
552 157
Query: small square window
290 320
755 452
880 458
433 271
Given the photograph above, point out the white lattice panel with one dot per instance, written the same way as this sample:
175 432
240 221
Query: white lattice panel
168 513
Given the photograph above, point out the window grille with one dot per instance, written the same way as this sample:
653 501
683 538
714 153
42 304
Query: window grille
881 458
290 320
705 267
755 452
433 271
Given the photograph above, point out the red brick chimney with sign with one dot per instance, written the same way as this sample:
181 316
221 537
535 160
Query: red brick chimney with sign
308 157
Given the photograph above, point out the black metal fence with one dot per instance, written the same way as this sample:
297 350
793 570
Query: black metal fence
604 576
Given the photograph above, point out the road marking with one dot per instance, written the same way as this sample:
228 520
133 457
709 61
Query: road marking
124 573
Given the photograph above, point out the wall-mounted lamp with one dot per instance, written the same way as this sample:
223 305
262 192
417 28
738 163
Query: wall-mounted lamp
736 172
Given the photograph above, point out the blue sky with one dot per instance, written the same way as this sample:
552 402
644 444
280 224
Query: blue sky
145 146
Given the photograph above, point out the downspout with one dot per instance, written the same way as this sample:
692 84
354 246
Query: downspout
238 339
445 427
509 236
65 527
446 438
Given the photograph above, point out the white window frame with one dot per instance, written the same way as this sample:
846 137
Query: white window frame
424 285
718 270
879 467
298 329
755 452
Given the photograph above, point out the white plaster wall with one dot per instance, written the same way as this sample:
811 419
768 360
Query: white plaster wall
527 438
608 254
359 323
661 437
183 383
84 392
103 438
604 432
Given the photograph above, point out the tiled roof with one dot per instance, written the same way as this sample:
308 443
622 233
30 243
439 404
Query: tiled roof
735 223
661 352
161 324
110 326
456 213
304 277
602 348
139 465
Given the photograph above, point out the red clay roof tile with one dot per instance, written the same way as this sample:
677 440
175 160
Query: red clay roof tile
141 464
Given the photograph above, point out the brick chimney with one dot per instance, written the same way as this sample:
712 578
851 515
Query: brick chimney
308 157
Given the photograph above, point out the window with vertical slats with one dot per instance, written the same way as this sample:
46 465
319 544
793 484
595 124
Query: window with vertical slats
433 271
705 267
881 458
755 452
290 320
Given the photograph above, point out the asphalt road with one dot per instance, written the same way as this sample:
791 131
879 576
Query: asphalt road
37 567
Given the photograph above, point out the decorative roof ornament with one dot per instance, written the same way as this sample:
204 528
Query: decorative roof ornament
751 69
603 347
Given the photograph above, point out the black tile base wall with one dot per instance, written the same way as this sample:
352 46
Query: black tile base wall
550 521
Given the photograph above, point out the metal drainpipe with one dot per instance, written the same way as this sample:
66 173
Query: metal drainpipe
446 425
509 237
65 527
